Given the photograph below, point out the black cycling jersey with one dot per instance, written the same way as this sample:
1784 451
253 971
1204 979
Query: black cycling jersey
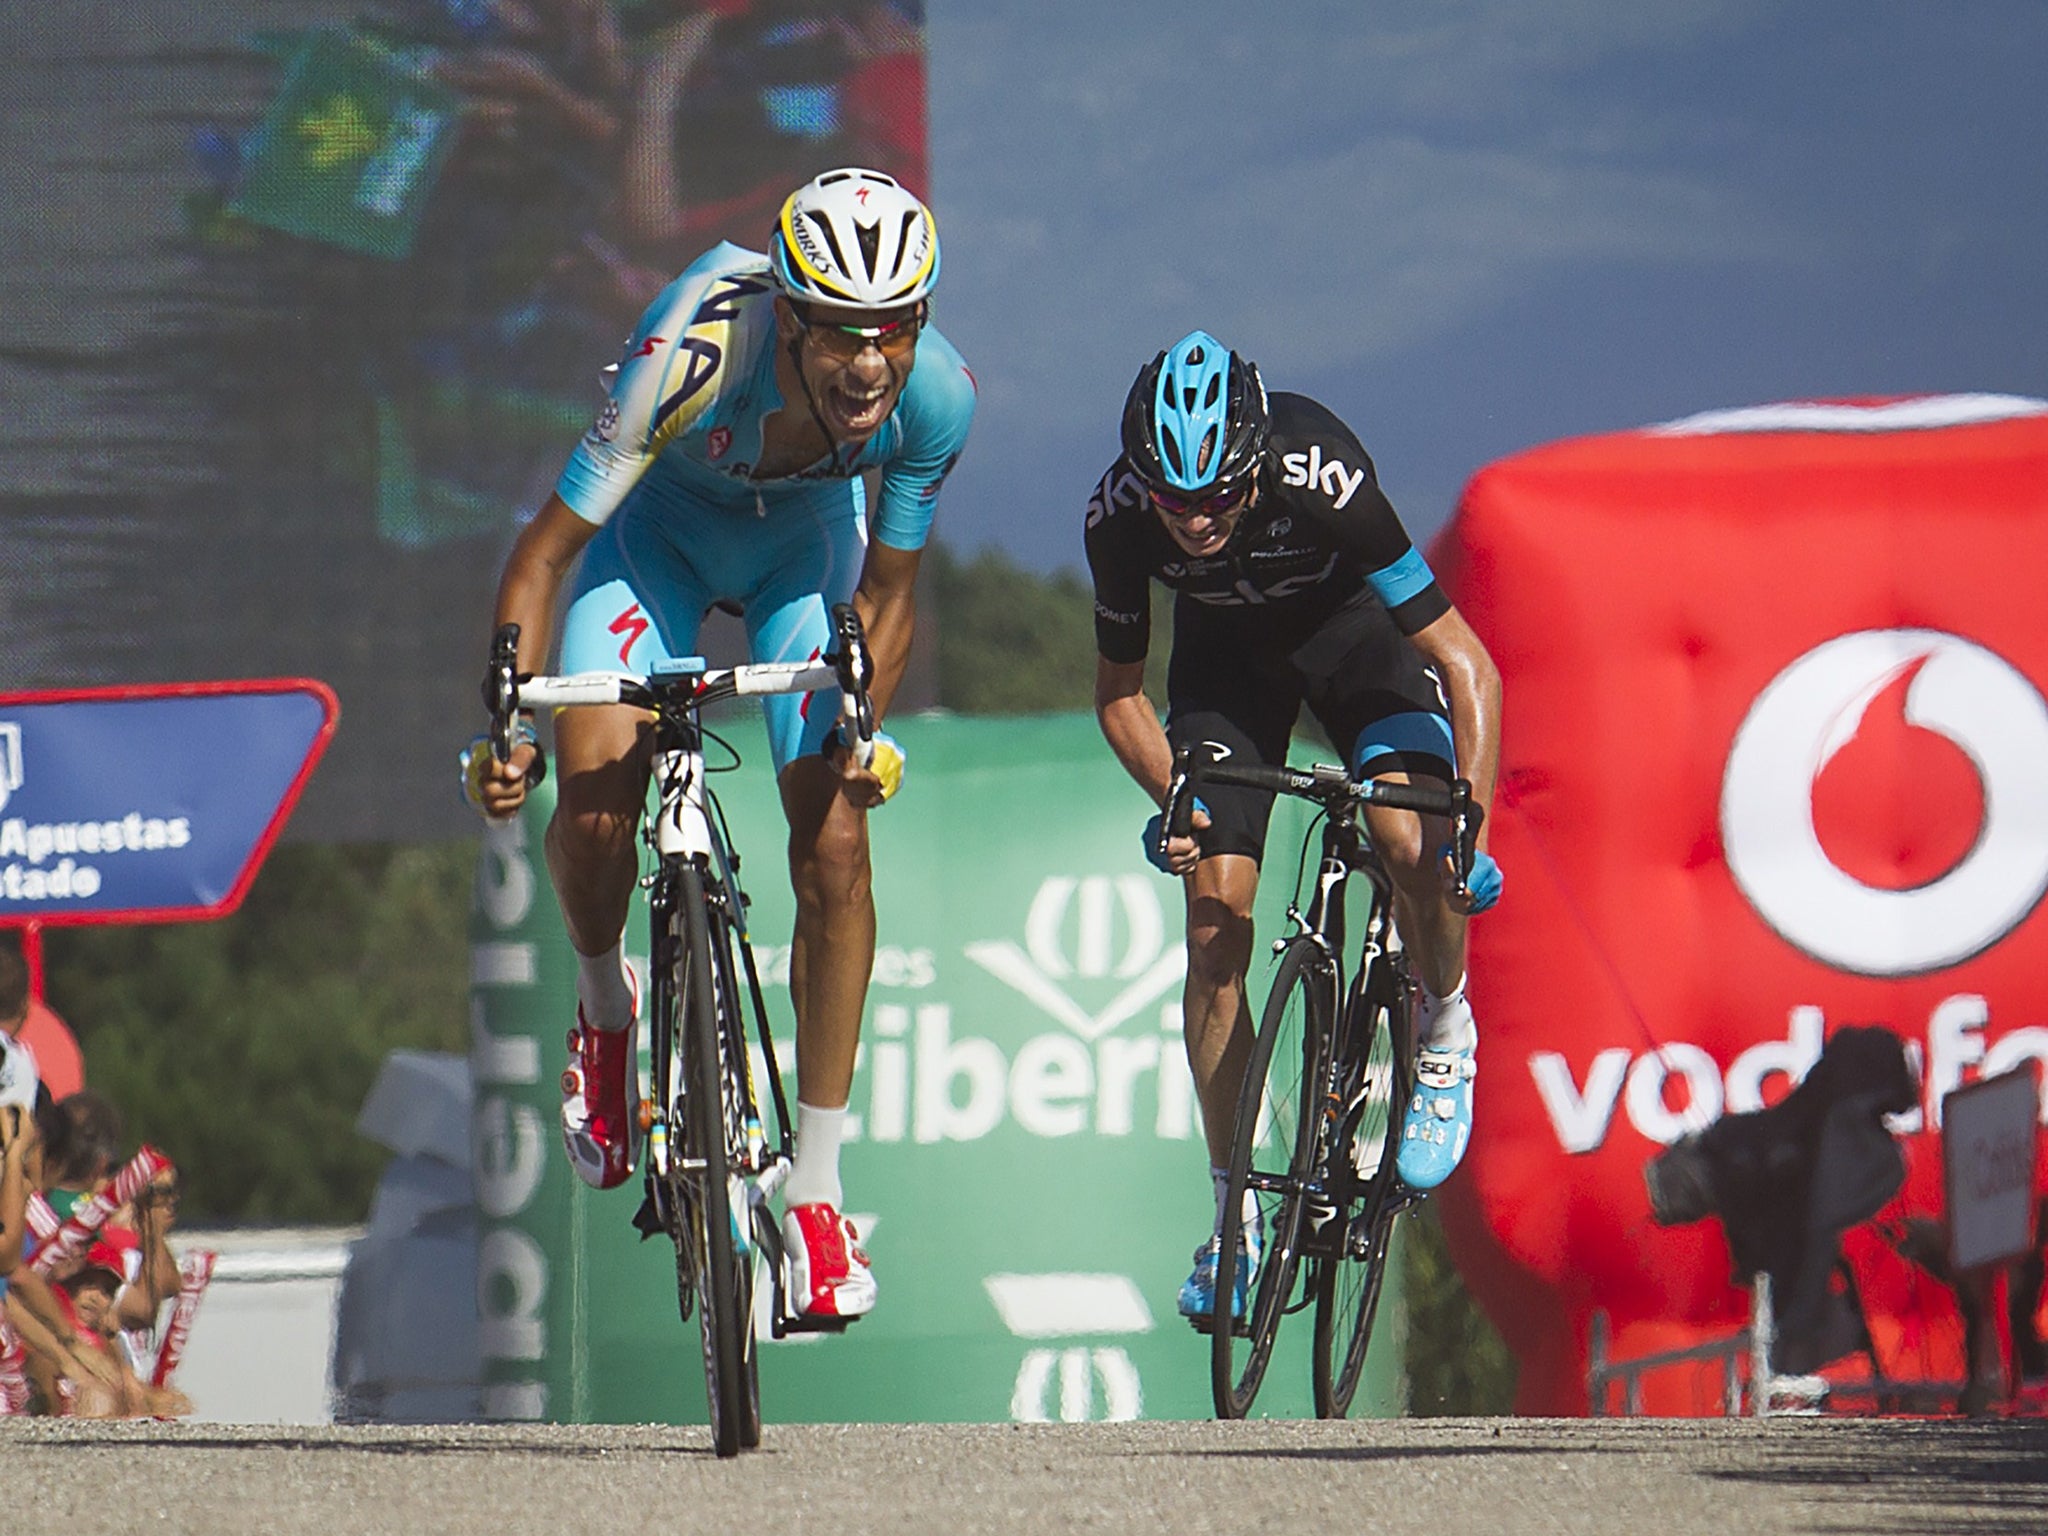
1319 533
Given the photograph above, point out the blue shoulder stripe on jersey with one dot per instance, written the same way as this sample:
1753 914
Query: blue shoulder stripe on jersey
1400 581
1416 731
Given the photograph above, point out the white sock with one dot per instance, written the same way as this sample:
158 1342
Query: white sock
601 989
1445 1023
814 1175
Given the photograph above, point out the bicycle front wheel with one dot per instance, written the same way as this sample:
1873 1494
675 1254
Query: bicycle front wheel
1273 1159
1347 1282
722 1264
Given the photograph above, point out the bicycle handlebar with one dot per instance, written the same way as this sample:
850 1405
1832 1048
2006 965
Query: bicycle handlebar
849 667
1332 787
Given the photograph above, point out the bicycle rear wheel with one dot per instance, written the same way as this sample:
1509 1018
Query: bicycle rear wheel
720 1266
1347 1283
1273 1155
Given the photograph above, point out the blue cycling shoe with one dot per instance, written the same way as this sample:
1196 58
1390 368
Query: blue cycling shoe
1198 1291
1438 1125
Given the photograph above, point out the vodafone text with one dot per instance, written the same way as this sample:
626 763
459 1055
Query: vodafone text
1680 1088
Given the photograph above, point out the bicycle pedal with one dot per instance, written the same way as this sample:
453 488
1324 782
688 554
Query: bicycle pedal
785 1326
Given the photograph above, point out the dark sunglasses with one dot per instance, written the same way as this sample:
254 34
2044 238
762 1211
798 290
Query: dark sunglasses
1217 503
846 342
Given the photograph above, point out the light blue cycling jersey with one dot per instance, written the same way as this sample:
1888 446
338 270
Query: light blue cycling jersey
683 421
667 474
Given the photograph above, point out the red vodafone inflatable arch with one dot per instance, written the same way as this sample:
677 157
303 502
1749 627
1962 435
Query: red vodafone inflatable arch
1775 761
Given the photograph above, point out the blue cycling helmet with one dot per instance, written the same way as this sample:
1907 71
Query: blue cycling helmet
1196 417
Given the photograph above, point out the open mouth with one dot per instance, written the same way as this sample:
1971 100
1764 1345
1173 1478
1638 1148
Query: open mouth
858 412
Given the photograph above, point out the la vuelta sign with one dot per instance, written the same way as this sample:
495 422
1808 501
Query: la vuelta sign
1776 760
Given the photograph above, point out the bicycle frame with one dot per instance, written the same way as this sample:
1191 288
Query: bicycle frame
708 1160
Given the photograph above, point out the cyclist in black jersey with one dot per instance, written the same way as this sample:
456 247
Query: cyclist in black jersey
1294 583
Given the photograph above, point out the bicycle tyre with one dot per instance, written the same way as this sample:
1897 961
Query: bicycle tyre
1347 1285
1273 1152
740 1108
724 1271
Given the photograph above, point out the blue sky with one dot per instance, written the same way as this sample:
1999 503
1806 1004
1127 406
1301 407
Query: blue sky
1471 226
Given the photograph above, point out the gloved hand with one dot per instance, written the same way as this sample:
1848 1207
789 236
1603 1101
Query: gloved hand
887 763
1485 882
1153 856
475 761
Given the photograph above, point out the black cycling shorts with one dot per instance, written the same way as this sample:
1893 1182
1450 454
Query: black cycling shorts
1230 683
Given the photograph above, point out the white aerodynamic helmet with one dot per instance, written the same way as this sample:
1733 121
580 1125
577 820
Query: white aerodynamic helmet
857 238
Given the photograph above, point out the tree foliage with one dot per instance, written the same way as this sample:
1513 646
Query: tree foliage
244 1047
1012 642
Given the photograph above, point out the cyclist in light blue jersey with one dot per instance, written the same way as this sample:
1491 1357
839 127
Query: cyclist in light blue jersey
724 468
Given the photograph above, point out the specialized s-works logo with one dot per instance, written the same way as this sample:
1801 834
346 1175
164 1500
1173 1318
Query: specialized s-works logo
10 761
1951 862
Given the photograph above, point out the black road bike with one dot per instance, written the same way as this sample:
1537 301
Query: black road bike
1330 1072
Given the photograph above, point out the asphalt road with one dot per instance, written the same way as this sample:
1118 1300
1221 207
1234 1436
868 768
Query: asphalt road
1444 1477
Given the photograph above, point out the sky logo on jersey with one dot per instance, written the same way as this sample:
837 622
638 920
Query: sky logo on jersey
1333 477
1126 491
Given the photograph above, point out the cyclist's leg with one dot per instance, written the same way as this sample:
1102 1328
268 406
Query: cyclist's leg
635 602
813 546
1220 693
1368 688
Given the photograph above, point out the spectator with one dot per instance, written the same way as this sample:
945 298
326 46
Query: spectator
39 1339
81 1144
19 1075
26 1020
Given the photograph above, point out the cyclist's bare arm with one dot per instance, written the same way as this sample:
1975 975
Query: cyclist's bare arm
1472 689
1131 727
540 561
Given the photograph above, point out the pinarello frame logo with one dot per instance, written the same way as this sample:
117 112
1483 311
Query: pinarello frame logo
1968 760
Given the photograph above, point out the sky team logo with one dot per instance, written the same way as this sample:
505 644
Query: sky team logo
10 761
1885 805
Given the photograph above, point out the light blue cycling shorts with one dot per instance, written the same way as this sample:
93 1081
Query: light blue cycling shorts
653 572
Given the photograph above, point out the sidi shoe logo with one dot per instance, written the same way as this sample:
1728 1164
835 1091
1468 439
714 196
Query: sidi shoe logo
1974 733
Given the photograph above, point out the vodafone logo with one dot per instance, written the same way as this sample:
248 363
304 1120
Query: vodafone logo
1967 861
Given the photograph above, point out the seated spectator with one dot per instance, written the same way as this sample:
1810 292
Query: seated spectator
81 1146
88 1298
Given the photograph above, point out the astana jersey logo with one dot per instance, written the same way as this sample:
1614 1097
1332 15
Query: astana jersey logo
1904 857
